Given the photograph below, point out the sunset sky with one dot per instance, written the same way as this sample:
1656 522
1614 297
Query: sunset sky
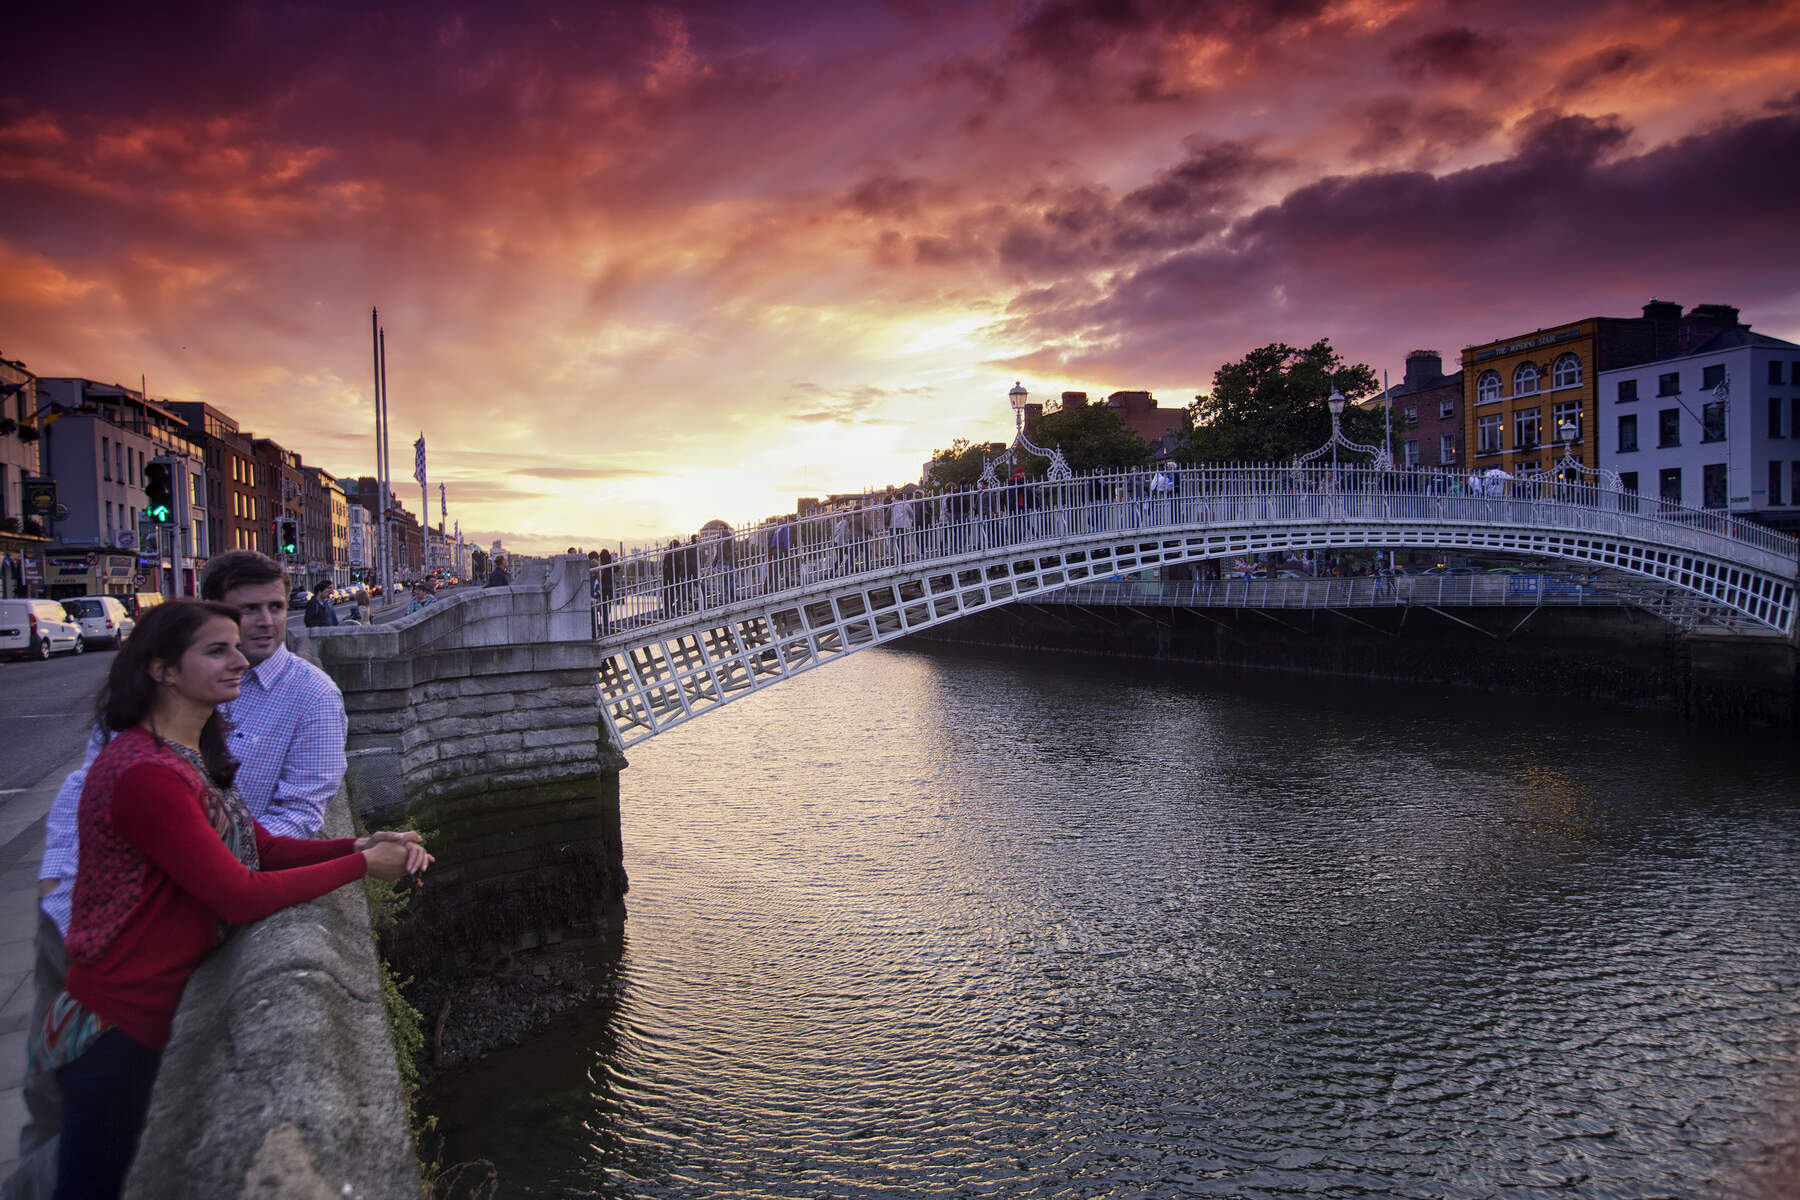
645 265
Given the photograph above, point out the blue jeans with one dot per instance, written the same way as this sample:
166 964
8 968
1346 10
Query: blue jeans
106 1093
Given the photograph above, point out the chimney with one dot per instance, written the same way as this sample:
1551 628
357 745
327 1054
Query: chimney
1665 317
1074 400
1423 368
1704 321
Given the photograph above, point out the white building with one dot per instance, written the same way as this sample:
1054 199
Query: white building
1715 427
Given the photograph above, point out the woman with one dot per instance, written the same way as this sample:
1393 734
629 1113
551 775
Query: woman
170 859
421 596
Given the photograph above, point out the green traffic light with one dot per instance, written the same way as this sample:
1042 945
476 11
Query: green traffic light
159 513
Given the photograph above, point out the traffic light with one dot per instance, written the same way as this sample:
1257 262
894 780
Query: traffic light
290 538
158 503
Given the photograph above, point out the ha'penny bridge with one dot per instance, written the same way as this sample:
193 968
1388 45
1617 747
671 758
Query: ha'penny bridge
684 630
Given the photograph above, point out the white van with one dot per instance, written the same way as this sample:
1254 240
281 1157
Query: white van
37 629
103 619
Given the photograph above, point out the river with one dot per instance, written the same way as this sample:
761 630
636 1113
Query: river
943 923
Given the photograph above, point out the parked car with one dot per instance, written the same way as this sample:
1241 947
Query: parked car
103 619
136 602
300 597
37 629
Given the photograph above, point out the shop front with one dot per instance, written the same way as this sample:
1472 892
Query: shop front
21 566
92 573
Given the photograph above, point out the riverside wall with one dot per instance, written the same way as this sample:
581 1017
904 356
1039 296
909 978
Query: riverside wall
1612 656
477 721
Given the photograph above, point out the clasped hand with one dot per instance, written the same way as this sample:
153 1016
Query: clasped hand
392 855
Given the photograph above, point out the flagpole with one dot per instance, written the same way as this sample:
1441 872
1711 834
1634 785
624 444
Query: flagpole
424 506
383 483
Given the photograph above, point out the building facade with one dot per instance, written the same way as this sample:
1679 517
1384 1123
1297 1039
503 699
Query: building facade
281 496
1716 427
232 497
1427 413
96 445
1530 399
22 539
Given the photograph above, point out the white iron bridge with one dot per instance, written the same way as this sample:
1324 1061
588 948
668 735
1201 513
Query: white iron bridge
688 627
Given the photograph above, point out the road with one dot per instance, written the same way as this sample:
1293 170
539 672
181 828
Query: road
46 709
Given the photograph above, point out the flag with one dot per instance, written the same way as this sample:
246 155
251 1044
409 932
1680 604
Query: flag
419 459
443 505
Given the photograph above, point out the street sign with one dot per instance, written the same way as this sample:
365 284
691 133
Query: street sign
148 540
125 539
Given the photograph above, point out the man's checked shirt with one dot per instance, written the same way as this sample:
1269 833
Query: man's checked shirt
288 729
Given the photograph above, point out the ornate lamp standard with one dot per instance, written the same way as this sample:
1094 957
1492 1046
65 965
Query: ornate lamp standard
1018 396
1382 461
1059 466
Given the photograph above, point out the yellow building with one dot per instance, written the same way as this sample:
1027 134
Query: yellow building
1528 398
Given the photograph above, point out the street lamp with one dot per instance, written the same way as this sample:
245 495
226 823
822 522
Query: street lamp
1018 396
1335 402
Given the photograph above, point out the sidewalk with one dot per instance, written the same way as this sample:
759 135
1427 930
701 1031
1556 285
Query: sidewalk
21 849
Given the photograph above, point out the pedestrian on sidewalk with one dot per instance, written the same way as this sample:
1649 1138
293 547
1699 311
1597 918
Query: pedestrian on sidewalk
170 856
288 732
320 613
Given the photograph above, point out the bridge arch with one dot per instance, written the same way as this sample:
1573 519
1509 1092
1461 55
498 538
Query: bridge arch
773 614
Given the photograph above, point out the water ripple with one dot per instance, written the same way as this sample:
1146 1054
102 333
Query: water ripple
975 927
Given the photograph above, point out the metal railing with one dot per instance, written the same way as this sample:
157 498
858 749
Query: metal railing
898 529
1510 591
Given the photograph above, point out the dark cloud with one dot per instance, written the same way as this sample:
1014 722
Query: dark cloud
1607 63
1422 133
1453 53
1072 35
886 196
1589 228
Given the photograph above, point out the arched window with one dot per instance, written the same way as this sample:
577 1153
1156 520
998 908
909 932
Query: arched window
1487 387
1567 372
1525 379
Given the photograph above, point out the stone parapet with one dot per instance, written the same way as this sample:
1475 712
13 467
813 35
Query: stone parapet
477 719
280 1079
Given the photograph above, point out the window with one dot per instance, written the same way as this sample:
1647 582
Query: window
1627 390
1525 379
1712 485
1565 419
1668 427
1669 484
1412 452
1669 385
1567 372
1412 414
1446 409
1712 421
1487 388
1489 437
106 459
1775 415
1627 433
1794 479
119 461
1794 418
1775 370
1711 377
1628 480
1774 482
1447 448
109 521
1526 423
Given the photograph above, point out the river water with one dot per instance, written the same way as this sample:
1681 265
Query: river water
935 923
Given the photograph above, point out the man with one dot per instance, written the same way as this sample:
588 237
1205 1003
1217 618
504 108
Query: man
319 610
498 577
288 730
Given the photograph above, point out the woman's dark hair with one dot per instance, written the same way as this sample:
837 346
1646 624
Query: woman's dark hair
163 634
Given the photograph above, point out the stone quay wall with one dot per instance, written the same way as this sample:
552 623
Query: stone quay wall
477 720
280 1078
1612 656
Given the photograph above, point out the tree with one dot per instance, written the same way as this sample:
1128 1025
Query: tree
960 465
1091 437
1269 406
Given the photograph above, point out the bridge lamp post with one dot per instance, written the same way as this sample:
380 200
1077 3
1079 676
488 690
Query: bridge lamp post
1018 396
1335 402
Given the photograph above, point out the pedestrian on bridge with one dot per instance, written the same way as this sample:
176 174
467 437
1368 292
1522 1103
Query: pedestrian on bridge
170 858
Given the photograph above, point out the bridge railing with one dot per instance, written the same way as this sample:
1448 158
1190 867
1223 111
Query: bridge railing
722 564
1372 591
